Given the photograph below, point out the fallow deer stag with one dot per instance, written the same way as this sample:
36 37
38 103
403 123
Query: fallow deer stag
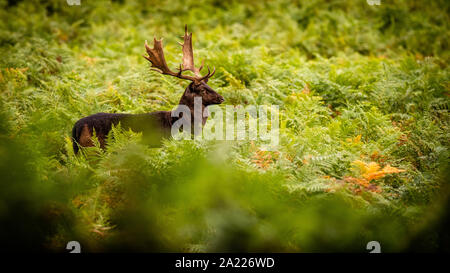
155 125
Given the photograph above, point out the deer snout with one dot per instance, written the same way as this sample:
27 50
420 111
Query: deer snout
221 99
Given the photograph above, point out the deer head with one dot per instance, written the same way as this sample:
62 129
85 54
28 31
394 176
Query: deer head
199 86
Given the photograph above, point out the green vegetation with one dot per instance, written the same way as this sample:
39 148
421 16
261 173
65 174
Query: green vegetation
364 141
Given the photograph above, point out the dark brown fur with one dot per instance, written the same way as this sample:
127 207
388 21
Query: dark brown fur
154 126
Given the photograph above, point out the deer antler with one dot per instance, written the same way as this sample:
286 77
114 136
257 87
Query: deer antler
188 54
156 58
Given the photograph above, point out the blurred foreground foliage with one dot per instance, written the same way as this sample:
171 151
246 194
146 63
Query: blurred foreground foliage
363 93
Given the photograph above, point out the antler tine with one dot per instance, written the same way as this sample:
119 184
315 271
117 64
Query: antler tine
188 53
201 67
209 72
208 75
214 71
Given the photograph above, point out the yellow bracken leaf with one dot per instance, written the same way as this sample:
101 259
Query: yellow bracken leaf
389 169
371 171
356 139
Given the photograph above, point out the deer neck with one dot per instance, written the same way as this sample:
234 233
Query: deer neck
202 109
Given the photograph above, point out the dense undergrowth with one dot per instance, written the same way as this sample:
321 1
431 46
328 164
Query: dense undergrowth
363 93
